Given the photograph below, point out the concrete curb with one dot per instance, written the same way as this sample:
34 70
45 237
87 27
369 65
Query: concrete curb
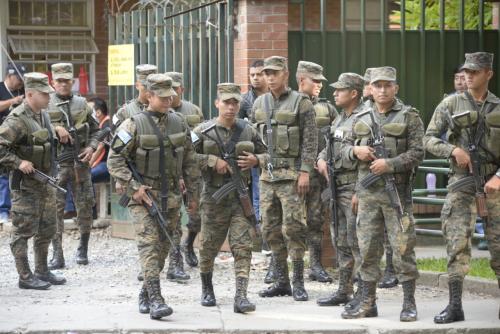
474 285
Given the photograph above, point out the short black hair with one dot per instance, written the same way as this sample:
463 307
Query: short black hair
458 69
99 104
257 63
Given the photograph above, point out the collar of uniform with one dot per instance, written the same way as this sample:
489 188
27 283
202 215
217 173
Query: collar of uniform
490 97
283 95
397 105
157 114
29 111
219 125
359 107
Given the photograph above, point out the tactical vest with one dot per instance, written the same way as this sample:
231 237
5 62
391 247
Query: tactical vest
78 114
323 114
190 112
286 130
395 132
37 147
147 154
244 143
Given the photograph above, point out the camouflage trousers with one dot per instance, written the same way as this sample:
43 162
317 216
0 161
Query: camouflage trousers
374 214
152 244
349 256
217 222
83 196
283 219
315 209
458 218
32 217
194 221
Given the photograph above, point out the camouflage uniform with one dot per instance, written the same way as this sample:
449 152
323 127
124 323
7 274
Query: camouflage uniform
80 114
283 210
27 135
136 140
459 212
403 131
325 113
345 171
227 217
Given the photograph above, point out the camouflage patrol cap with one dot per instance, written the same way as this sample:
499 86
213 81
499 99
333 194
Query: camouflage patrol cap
176 78
143 70
367 76
478 60
311 70
160 85
37 81
62 71
228 90
386 73
275 63
349 80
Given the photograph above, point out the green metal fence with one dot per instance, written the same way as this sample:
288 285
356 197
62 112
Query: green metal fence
425 59
198 43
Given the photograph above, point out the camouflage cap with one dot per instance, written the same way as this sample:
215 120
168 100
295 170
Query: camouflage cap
62 71
276 63
177 78
37 81
160 85
311 70
367 76
349 80
385 73
143 70
228 90
478 60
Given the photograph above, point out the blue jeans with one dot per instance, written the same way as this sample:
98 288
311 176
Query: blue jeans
4 195
255 191
70 206
100 173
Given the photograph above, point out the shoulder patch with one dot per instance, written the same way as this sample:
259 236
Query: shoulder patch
124 136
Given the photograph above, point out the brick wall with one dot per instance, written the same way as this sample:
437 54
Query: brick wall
101 59
262 31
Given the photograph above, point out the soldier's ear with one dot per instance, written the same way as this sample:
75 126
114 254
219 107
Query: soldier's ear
216 103
397 88
490 74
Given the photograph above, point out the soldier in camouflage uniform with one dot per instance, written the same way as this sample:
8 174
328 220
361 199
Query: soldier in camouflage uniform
26 142
79 114
137 140
348 96
402 130
141 101
193 116
310 81
284 182
226 218
459 212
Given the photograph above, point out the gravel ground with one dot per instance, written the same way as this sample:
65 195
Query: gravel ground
111 278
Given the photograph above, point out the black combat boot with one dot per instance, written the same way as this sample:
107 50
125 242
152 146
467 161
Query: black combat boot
409 311
389 280
42 271
281 287
157 306
271 275
57 261
189 253
454 311
143 300
175 272
354 302
343 294
299 292
207 290
317 272
241 302
367 308
26 278
82 250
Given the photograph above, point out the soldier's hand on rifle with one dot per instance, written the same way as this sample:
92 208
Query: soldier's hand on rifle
86 154
379 167
462 158
222 167
493 185
63 134
141 196
26 167
303 183
323 168
364 153
354 204
247 160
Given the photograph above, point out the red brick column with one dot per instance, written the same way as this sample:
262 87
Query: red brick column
262 31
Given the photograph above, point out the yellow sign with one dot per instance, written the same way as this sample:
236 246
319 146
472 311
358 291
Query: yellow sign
121 65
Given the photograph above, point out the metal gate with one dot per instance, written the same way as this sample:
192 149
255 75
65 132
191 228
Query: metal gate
195 40
424 58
